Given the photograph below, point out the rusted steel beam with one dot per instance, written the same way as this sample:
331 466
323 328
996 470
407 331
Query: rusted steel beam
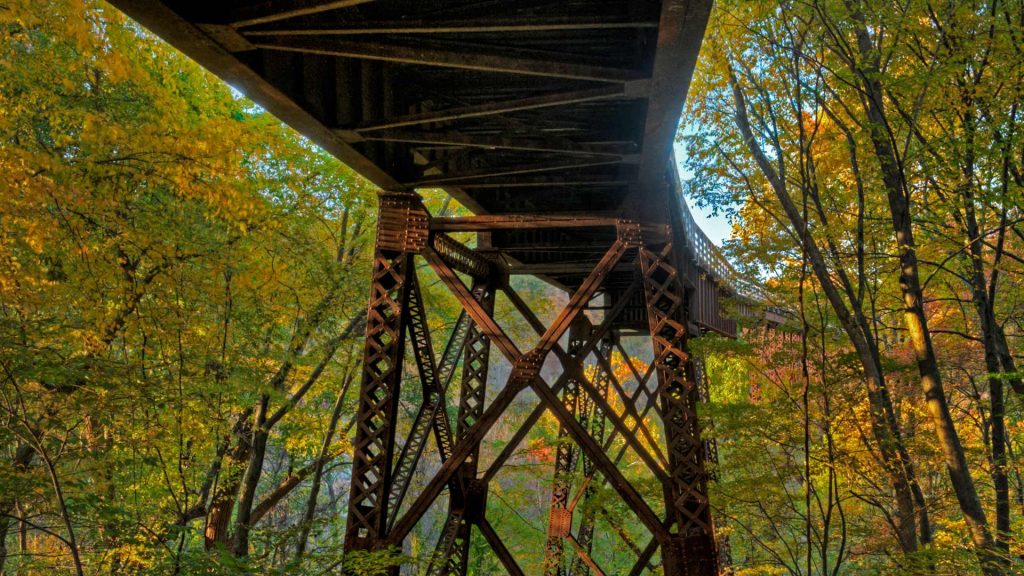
451 554
464 259
582 296
442 561
498 546
459 179
401 232
474 372
432 414
643 561
492 142
588 490
520 222
505 107
559 268
583 555
559 510
452 350
465 59
275 11
475 366
535 24
691 552
545 182
374 445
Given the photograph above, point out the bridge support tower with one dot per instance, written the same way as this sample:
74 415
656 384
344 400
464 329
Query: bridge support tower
601 421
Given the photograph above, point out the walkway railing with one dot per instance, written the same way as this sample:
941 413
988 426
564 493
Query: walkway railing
709 258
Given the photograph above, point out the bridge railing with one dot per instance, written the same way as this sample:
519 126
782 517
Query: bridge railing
708 257
714 277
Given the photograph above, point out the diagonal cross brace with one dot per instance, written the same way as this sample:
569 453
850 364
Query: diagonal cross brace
431 414
576 372
525 374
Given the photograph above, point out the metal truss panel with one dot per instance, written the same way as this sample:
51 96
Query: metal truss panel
373 449
691 552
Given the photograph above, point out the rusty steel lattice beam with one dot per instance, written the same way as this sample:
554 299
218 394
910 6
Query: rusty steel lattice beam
432 414
401 230
475 366
711 456
560 512
451 554
596 419
691 550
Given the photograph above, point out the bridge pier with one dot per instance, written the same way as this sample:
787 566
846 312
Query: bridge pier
643 293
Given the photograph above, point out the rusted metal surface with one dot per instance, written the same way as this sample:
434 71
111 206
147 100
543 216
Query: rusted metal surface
432 414
560 513
374 444
691 552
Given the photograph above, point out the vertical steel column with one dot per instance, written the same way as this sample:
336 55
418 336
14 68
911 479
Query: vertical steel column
402 230
560 512
691 550
711 456
470 502
596 422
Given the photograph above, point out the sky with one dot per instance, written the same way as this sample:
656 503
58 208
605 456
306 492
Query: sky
717 228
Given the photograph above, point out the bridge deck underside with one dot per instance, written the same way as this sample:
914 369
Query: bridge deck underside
512 106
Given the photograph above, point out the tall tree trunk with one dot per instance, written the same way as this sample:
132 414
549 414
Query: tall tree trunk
914 317
883 419
982 296
251 480
222 503
314 490
23 456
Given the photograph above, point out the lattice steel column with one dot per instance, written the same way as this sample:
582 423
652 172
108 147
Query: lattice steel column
467 495
560 512
470 504
711 456
691 550
402 230
594 418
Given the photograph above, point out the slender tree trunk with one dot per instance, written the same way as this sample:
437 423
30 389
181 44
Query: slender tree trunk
251 480
222 503
314 490
984 306
883 420
914 317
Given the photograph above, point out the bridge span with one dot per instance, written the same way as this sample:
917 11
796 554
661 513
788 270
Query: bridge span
553 122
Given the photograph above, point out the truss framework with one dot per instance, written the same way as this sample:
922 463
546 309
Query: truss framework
600 420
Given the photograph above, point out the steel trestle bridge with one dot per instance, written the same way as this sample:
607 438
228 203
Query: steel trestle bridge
553 122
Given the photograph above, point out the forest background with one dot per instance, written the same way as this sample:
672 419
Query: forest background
183 285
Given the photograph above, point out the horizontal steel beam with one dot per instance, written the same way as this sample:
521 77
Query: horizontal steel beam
538 24
559 269
626 90
488 142
459 179
276 11
519 222
480 61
